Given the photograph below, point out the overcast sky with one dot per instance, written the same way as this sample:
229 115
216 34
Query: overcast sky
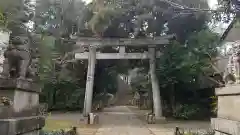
87 1
212 3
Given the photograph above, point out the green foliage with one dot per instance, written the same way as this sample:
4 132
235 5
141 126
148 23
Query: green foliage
63 95
181 68
184 63
140 81
199 133
102 19
186 111
52 133
61 89
186 131
214 104
147 18
60 18
8 13
109 83
3 21
57 64
46 62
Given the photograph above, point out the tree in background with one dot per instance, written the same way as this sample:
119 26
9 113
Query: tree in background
62 76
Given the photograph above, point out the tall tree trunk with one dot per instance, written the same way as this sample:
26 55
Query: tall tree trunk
54 95
172 98
51 98
157 105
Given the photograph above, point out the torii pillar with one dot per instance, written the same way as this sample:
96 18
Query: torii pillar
90 81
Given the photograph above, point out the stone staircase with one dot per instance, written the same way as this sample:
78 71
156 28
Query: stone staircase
123 96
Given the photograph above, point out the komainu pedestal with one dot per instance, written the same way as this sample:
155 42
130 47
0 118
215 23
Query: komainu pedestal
228 115
20 112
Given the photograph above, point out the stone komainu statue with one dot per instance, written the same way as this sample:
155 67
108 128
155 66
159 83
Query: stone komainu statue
18 56
232 75
18 59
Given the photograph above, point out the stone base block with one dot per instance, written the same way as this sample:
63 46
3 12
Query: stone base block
228 90
93 119
22 93
20 99
150 118
83 119
22 125
228 102
225 126
21 84
8 112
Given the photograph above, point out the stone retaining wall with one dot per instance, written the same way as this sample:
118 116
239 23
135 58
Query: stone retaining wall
228 118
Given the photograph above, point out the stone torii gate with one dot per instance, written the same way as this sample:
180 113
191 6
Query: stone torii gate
92 56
